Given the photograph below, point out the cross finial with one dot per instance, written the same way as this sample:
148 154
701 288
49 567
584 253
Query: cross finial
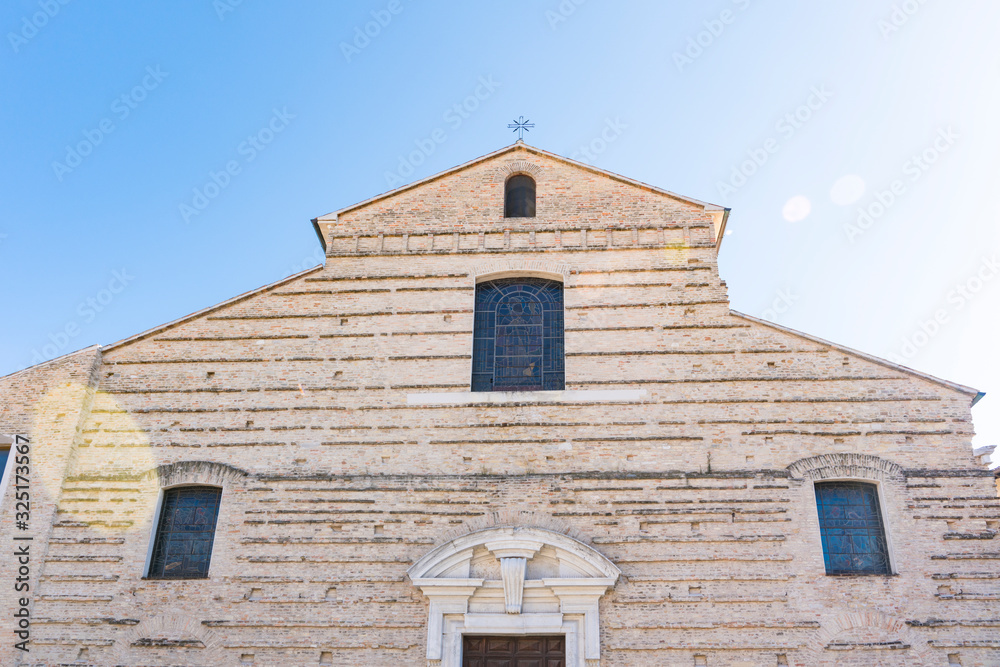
521 126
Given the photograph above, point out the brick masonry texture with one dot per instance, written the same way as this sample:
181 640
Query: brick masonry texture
306 401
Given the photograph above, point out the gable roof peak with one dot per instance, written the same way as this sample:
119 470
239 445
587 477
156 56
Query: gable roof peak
519 145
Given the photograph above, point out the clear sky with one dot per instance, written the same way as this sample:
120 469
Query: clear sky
158 158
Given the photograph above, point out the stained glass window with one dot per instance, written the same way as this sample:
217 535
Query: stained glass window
519 197
518 340
185 533
850 525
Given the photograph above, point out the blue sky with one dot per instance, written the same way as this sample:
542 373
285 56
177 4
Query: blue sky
161 157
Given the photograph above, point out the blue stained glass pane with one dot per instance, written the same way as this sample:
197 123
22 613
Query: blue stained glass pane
838 563
185 533
851 528
518 335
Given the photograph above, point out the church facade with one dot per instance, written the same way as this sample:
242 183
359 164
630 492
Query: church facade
511 421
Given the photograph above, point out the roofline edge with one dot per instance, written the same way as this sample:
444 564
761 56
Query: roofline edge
722 230
331 217
204 311
95 346
961 388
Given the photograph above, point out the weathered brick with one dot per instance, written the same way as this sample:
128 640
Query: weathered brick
309 402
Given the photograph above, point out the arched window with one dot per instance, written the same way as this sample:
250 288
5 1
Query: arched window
185 533
519 197
518 339
851 527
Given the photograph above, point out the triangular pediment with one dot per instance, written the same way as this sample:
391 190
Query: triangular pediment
469 197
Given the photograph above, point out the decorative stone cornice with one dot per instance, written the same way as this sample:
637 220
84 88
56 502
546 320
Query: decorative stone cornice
846 465
196 472
518 266
508 169
505 236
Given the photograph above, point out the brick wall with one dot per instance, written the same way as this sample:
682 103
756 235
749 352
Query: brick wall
312 403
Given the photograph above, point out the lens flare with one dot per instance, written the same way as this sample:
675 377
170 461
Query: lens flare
796 209
847 190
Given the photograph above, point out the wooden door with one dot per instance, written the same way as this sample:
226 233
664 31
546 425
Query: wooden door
485 651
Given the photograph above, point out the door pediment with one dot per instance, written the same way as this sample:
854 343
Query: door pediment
514 581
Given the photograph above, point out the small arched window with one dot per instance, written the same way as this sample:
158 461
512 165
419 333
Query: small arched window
185 533
519 197
518 336
851 527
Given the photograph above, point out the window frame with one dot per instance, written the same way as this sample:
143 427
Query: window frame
154 531
883 515
506 185
5 474
517 275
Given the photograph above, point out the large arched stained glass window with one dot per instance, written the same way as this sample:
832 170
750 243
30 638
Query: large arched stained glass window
185 533
850 524
518 339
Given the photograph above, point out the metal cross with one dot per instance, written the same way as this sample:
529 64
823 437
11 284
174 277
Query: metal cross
521 126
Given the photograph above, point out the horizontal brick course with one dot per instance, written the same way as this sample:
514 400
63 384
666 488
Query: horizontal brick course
295 400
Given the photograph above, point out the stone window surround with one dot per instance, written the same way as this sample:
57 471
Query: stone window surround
578 597
851 467
188 473
515 167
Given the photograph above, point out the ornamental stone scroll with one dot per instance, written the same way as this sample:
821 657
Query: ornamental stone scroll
513 557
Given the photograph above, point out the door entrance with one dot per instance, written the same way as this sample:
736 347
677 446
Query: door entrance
480 651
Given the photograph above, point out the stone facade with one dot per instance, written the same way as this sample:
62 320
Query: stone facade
659 511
